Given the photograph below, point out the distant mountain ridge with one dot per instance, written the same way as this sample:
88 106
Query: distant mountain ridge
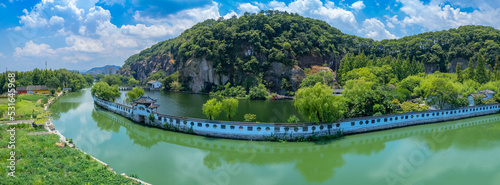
106 70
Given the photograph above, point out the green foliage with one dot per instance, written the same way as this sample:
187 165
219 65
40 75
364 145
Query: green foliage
228 91
258 93
230 107
458 71
318 104
293 119
112 80
30 97
250 117
497 97
151 117
132 81
89 78
439 91
212 108
176 86
408 106
481 75
134 94
478 99
41 161
160 75
490 101
104 91
364 98
323 77
174 77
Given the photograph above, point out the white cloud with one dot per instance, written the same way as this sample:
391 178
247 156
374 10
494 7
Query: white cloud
247 7
34 50
3 5
84 44
1 55
336 16
358 5
375 29
56 20
230 14
437 16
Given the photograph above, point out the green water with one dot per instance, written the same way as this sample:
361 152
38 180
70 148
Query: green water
189 105
457 152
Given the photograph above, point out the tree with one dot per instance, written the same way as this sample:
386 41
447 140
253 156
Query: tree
53 82
134 94
458 71
169 79
112 80
175 86
440 92
104 91
98 77
258 93
481 75
132 81
212 108
89 78
471 71
318 104
230 107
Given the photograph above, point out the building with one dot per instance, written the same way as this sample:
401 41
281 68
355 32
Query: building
488 93
154 85
144 106
32 89
21 90
485 94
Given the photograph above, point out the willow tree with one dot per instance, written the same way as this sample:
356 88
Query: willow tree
134 94
318 104
230 107
212 108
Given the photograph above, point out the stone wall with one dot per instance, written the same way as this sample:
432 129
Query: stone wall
266 131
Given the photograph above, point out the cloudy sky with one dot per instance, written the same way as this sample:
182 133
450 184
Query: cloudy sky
81 34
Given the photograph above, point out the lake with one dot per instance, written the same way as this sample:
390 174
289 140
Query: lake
455 152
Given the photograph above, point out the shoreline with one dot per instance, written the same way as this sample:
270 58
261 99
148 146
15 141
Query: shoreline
52 130
291 131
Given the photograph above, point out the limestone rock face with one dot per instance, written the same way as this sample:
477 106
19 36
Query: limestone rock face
201 72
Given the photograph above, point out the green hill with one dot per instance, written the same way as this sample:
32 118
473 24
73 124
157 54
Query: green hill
272 45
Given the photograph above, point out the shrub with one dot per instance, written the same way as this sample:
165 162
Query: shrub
293 119
258 93
250 117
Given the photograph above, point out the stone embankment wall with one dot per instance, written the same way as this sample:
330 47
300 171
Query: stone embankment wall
266 131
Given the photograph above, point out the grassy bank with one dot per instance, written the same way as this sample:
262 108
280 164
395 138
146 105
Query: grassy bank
40 161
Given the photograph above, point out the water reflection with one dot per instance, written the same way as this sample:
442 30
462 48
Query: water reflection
159 156
317 162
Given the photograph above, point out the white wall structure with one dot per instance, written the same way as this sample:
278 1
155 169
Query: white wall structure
267 131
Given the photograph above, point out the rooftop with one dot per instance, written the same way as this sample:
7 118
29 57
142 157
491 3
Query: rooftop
36 88
144 100
153 81
487 91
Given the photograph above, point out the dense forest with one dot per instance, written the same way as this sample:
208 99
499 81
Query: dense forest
54 79
245 48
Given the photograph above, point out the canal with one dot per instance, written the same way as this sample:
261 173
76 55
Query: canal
456 152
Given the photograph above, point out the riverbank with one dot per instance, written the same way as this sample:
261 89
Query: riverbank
58 153
51 129
291 131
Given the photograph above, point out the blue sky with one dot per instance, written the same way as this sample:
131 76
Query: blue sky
81 34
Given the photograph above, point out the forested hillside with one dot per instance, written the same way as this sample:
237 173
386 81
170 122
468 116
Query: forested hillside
271 47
